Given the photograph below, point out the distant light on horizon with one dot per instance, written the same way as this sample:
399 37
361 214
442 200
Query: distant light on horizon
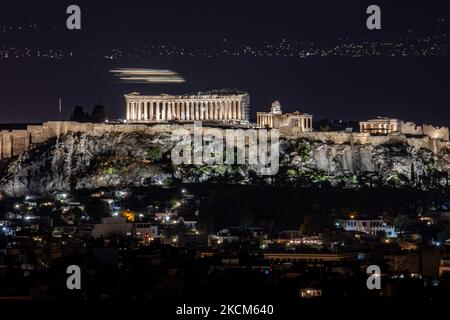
138 75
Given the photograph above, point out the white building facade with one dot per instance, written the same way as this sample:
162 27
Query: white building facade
372 227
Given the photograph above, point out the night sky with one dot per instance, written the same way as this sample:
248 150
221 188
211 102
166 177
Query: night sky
275 51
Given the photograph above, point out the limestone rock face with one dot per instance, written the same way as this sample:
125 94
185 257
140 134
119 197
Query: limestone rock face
81 161
117 159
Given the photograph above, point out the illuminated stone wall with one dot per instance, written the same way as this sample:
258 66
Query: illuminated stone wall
13 143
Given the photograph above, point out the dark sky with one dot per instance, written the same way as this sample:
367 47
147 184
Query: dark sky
336 86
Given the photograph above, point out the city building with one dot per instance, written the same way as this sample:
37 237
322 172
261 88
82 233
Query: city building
276 119
384 125
215 106
308 293
311 257
166 217
118 226
372 227
444 265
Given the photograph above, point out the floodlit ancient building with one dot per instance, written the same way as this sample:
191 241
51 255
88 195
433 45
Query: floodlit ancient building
383 125
380 125
276 119
220 106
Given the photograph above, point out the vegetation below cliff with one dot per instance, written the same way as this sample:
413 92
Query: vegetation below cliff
82 161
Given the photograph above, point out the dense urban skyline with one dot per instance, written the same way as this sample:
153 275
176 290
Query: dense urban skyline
316 58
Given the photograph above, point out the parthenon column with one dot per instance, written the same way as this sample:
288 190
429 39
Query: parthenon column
196 113
211 110
201 110
217 110
150 113
169 111
192 110
178 108
174 110
146 110
227 110
164 111
157 110
232 115
186 111
182 111
239 110
138 107
233 109
130 110
206 110
221 110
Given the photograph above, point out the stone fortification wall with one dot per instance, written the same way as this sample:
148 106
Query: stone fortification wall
13 143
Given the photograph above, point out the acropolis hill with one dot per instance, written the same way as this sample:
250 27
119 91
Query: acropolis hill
222 108
64 155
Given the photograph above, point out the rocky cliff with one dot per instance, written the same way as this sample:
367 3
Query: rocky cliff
118 159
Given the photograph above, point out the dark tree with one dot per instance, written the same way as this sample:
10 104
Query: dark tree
97 209
98 114
79 115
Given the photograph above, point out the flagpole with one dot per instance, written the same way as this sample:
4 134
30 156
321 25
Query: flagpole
60 109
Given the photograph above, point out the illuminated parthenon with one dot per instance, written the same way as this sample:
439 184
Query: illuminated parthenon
223 106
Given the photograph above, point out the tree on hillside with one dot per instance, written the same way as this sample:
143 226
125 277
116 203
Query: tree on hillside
97 209
79 115
98 114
